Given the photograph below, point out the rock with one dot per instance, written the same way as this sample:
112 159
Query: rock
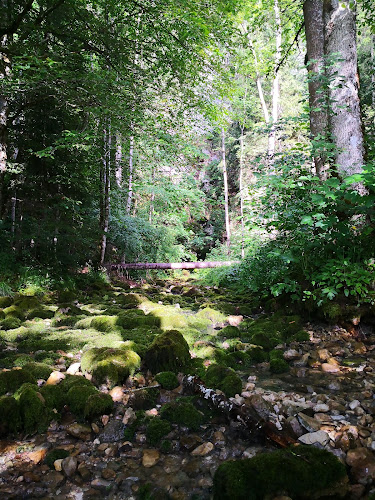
358 456
150 458
108 473
95 428
362 461
235 320
113 431
321 408
69 466
323 354
129 416
309 423
73 369
84 472
330 368
101 484
53 479
354 404
117 393
55 378
79 431
57 464
218 439
30 477
318 437
262 407
190 441
203 449
291 354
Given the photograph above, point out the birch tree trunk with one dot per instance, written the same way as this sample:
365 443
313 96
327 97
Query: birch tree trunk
130 185
275 88
259 83
226 195
118 161
5 70
345 116
318 97
106 190
373 69
241 192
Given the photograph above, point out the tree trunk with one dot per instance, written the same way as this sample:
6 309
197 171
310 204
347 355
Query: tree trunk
259 83
5 70
242 193
106 190
118 161
226 195
275 88
171 265
373 69
318 97
151 212
345 116
130 186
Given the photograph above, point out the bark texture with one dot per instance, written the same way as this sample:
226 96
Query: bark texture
226 195
318 97
106 191
345 116
170 265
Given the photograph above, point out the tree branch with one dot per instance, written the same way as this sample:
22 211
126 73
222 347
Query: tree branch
16 23
295 39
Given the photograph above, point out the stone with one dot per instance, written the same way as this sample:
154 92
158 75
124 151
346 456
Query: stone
129 416
321 408
150 458
113 431
73 369
323 354
218 439
30 477
79 431
203 449
309 423
354 404
330 368
55 378
69 466
101 484
262 407
117 393
108 473
358 456
291 354
84 472
235 320
318 437
190 441
58 464
53 479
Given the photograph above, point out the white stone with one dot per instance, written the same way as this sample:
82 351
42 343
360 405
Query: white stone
320 437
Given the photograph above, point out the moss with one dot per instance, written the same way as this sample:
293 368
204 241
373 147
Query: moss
136 319
40 313
332 311
299 472
77 397
276 354
167 380
27 385
49 357
10 420
56 454
263 340
98 404
156 429
39 370
34 413
216 317
165 446
72 380
229 332
278 366
22 359
168 352
10 323
14 311
145 399
11 380
223 378
104 323
110 366
302 336
257 354
182 413
5 302
54 396
239 360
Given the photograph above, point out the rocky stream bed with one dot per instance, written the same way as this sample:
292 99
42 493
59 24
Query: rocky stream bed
315 382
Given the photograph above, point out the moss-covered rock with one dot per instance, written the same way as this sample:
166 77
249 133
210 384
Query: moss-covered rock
98 404
157 429
14 311
182 413
223 378
34 413
54 396
302 336
135 319
230 332
40 312
216 317
278 366
145 399
5 302
104 323
10 323
10 420
77 397
72 380
11 380
168 352
39 370
167 380
299 472
110 366
56 454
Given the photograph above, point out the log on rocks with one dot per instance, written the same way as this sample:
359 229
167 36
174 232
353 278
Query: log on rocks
246 414
169 265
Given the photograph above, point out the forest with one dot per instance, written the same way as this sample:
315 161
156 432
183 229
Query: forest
187 249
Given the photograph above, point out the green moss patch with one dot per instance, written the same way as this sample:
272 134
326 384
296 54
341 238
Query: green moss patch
168 380
77 397
182 413
39 370
34 413
157 429
98 404
56 454
10 420
279 366
11 380
223 378
10 323
168 352
299 472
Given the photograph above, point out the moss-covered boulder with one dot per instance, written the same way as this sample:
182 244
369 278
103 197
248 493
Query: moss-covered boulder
299 472
216 317
11 380
71 380
135 319
223 378
35 414
54 396
104 323
168 352
10 323
39 370
110 366
229 332
10 416
5 302
15 312
270 331
156 430
279 366
77 397
182 413
40 312
168 380
98 404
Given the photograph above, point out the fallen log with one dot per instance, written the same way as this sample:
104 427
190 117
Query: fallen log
170 265
245 414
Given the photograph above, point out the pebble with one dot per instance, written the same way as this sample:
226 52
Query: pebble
101 484
79 431
330 368
318 437
55 378
73 369
69 466
150 458
321 408
203 449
